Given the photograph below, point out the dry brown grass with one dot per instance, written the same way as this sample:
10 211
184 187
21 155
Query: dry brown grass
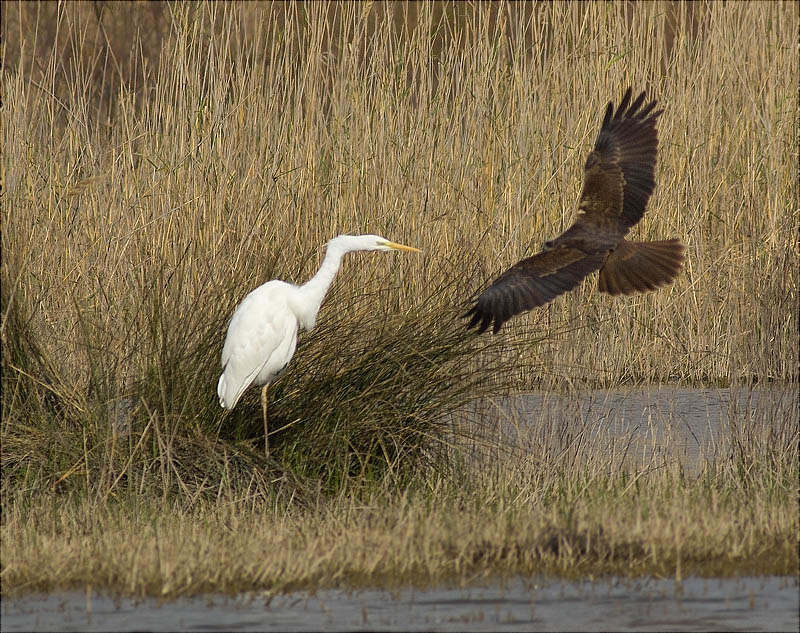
511 519
578 502
159 161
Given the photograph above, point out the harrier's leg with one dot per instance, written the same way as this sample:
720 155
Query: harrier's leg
264 411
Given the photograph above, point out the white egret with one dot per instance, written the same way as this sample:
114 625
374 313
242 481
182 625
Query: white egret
262 333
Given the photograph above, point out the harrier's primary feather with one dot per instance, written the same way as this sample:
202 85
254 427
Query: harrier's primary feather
619 177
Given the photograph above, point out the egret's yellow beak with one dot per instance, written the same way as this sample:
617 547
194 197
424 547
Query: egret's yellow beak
402 247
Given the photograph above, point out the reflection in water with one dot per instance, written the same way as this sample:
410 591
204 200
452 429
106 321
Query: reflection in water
745 604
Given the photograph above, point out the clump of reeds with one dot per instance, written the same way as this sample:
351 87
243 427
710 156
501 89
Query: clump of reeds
364 397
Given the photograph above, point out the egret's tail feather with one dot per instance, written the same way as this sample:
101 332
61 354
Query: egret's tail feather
227 400
221 392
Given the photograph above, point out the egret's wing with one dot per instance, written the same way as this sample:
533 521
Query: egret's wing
619 175
530 283
261 339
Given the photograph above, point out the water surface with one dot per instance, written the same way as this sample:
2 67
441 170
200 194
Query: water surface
745 604
638 428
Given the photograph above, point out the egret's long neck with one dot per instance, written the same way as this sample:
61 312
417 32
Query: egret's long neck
312 293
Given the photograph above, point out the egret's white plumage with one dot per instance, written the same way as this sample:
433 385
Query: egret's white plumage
262 333
262 336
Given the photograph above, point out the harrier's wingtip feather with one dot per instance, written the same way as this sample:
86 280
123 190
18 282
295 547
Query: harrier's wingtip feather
623 105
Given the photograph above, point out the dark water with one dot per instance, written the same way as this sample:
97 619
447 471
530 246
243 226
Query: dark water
639 428
745 604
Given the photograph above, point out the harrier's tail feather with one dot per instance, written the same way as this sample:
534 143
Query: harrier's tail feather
641 266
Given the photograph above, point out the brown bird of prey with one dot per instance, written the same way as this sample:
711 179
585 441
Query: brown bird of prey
617 182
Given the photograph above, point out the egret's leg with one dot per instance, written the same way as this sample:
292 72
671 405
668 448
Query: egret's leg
264 411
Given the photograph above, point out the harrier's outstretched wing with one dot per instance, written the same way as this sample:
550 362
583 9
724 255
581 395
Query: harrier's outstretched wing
619 175
618 181
530 283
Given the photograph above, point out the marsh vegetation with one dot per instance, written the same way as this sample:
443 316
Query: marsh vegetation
161 160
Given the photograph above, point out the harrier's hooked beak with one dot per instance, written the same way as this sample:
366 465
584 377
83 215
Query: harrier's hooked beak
401 247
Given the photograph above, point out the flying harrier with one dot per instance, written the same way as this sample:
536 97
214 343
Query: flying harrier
618 180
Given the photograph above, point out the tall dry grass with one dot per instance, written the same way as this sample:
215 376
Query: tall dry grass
159 161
